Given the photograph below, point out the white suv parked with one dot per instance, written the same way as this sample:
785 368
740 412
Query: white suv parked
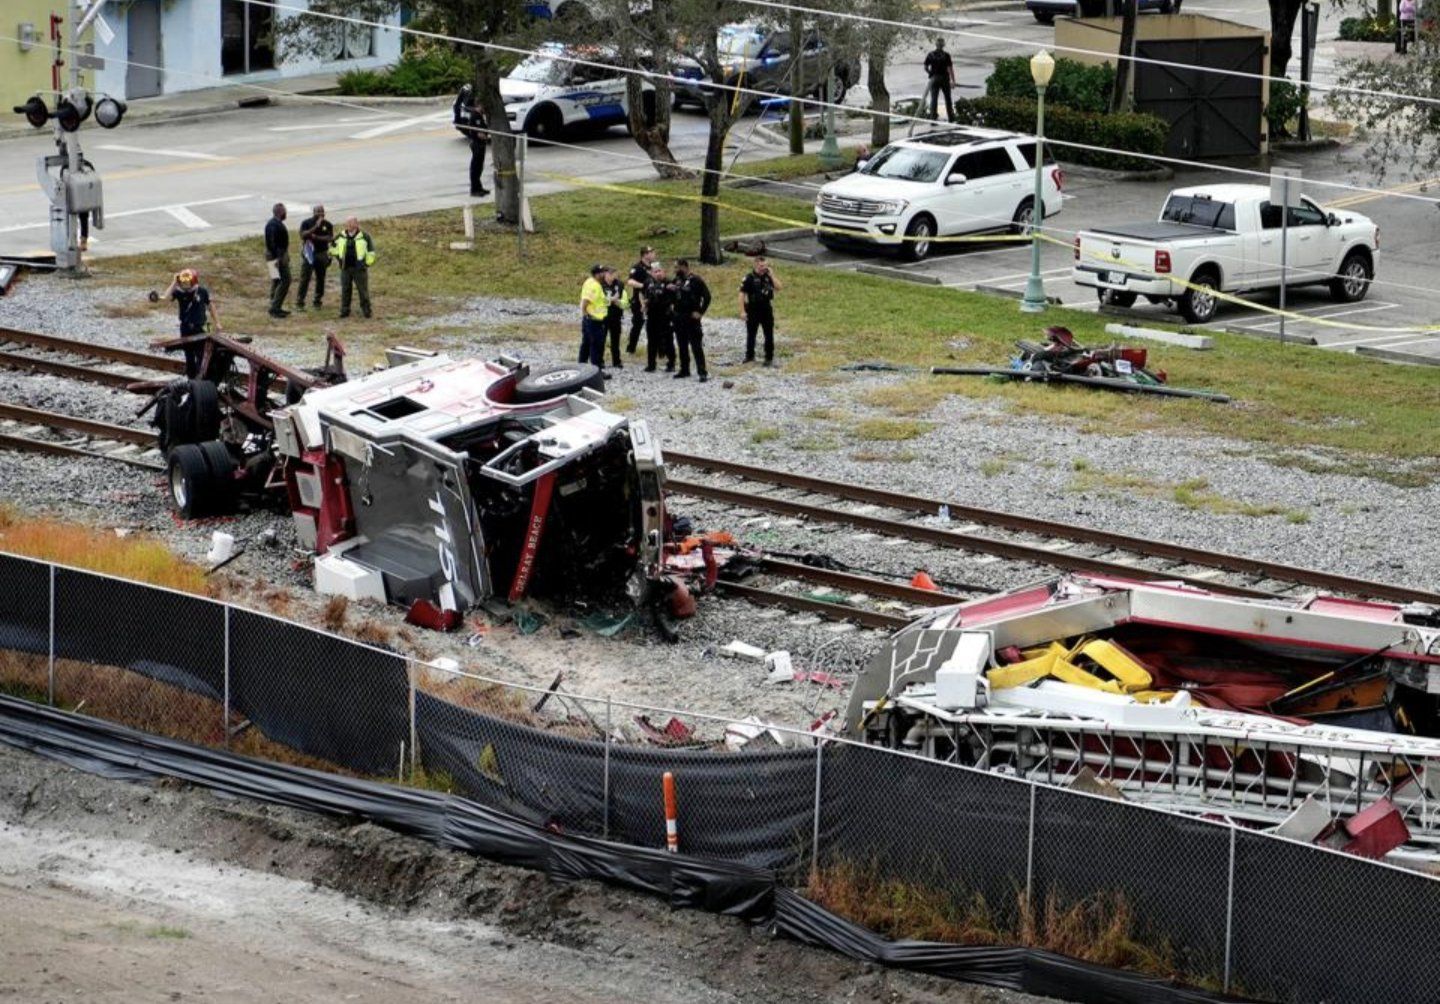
958 181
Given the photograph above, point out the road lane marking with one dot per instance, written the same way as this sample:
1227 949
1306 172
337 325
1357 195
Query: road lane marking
182 154
135 212
1350 201
389 127
1315 312
317 125
187 217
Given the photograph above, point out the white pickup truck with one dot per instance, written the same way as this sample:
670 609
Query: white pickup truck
1226 238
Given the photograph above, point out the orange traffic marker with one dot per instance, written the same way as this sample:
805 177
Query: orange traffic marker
922 580
672 833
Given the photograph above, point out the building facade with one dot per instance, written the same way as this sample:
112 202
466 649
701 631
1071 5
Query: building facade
167 46
27 53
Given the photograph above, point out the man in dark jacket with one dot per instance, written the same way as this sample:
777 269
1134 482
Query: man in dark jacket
692 299
638 280
940 71
757 308
277 259
316 233
659 319
470 120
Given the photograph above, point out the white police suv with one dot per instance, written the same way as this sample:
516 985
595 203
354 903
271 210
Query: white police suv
551 92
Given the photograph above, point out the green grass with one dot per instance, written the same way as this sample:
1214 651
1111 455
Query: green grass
765 434
1286 397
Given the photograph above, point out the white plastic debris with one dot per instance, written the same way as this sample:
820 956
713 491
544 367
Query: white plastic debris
445 663
753 730
740 650
222 547
781 674
780 660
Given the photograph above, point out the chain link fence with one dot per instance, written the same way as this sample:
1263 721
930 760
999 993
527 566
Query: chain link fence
1000 858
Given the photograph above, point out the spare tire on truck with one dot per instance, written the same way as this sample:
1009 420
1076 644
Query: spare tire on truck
546 382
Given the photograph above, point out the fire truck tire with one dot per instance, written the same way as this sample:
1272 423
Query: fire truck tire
222 469
192 485
202 410
547 382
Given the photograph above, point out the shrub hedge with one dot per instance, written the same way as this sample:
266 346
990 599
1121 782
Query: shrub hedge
1138 133
1284 107
1366 29
1081 86
418 74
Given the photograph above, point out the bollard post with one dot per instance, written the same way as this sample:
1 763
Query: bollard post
605 797
225 707
672 832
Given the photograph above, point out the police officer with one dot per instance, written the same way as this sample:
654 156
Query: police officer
617 291
355 252
757 308
470 120
594 309
692 299
659 319
638 280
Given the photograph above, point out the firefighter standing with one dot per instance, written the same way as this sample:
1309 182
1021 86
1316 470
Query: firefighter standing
617 291
757 308
659 319
355 252
638 280
195 306
692 299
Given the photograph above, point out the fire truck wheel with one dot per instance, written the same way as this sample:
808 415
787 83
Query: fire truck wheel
202 411
191 482
547 382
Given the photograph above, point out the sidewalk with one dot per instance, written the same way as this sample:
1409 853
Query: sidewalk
227 98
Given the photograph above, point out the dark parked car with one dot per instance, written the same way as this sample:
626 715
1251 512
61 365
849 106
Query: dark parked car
760 58
1046 11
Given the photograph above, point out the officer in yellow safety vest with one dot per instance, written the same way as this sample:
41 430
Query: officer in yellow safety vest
355 252
594 310
617 291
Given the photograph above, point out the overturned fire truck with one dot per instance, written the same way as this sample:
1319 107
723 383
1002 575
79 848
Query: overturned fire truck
1318 715
442 480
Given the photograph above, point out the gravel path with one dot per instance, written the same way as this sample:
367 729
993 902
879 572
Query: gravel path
971 451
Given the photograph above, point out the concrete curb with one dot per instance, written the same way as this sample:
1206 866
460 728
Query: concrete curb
1108 174
784 234
1273 336
1012 294
887 272
1396 356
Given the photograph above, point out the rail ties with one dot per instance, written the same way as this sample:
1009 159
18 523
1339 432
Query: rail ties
1113 554
95 433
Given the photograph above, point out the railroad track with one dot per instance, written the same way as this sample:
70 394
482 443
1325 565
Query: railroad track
31 430
1013 536
51 346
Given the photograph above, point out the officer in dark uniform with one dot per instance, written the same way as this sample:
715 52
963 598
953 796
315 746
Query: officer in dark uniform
757 308
470 120
692 299
659 319
638 280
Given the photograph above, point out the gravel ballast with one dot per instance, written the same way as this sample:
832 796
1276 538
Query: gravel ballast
967 450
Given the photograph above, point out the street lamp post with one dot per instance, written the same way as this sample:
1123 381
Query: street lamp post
1042 68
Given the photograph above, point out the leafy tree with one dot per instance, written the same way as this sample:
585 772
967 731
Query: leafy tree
1401 133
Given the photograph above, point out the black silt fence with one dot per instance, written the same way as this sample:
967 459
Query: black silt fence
171 638
757 809
925 822
1331 929
322 695
24 605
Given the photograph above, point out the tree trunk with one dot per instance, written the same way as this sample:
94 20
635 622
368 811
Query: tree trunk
502 143
1118 97
1283 14
717 107
876 58
653 136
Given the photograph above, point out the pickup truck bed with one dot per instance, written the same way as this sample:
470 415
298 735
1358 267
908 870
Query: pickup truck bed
1160 231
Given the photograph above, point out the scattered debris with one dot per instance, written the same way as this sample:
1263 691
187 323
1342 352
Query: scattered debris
742 650
423 613
674 733
1062 359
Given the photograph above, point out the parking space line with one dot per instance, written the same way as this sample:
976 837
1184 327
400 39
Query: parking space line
1426 339
1317 314
1369 340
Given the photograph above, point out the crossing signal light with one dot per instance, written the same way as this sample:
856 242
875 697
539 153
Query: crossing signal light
73 109
34 111
109 111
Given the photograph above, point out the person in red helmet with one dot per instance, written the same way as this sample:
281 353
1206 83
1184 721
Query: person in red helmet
195 308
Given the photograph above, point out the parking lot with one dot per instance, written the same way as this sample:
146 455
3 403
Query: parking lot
1401 300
